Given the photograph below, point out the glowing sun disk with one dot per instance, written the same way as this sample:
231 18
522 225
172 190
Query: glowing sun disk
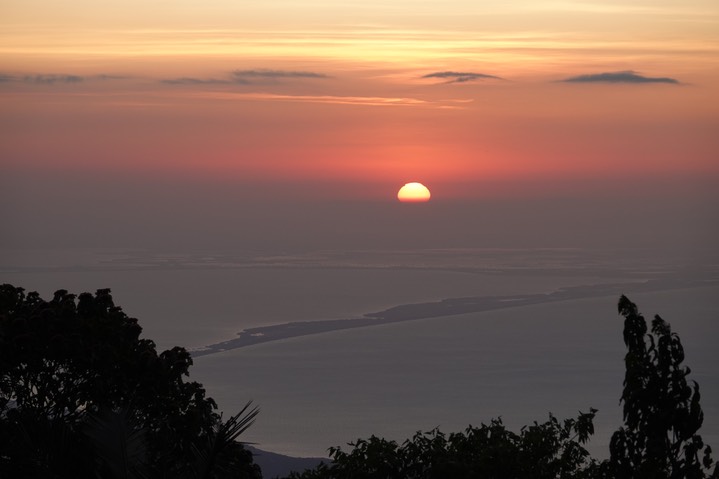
413 193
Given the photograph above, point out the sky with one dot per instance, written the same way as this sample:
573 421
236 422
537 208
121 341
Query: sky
284 124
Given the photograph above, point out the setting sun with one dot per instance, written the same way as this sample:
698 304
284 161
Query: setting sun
413 193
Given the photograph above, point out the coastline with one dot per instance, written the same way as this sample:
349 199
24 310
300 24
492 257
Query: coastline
445 307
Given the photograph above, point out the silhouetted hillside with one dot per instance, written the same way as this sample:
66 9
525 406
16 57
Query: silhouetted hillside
276 465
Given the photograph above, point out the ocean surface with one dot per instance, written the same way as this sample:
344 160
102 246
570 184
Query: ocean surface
518 363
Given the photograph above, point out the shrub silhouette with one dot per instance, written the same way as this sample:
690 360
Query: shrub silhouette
79 389
81 395
662 413
658 440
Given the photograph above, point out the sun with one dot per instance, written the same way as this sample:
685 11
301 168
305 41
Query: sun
413 193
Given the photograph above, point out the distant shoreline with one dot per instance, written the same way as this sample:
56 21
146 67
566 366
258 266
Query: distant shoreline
445 307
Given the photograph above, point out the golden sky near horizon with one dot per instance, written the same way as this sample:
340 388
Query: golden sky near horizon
363 92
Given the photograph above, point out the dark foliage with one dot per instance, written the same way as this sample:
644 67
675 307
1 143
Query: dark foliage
82 396
658 441
662 413
552 449
75 377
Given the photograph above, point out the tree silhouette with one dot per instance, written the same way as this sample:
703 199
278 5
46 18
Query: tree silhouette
81 395
74 371
662 413
659 439
552 449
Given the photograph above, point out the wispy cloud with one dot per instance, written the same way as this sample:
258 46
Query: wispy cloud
55 78
50 79
105 76
276 74
627 76
247 77
337 99
461 77
198 81
43 79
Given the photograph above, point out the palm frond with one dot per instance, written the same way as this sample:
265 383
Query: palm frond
223 436
119 443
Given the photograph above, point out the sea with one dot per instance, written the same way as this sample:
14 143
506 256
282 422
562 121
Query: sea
518 363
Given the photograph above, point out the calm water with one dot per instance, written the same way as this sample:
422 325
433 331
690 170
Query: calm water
193 300
392 380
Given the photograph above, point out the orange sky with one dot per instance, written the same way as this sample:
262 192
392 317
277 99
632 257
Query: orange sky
455 94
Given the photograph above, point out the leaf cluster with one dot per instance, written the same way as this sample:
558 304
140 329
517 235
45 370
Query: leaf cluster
659 439
82 395
662 413
75 366
552 449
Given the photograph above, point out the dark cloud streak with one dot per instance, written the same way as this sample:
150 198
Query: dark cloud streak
43 79
246 77
52 78
627 76
461 77
105 76
200 81
273 74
